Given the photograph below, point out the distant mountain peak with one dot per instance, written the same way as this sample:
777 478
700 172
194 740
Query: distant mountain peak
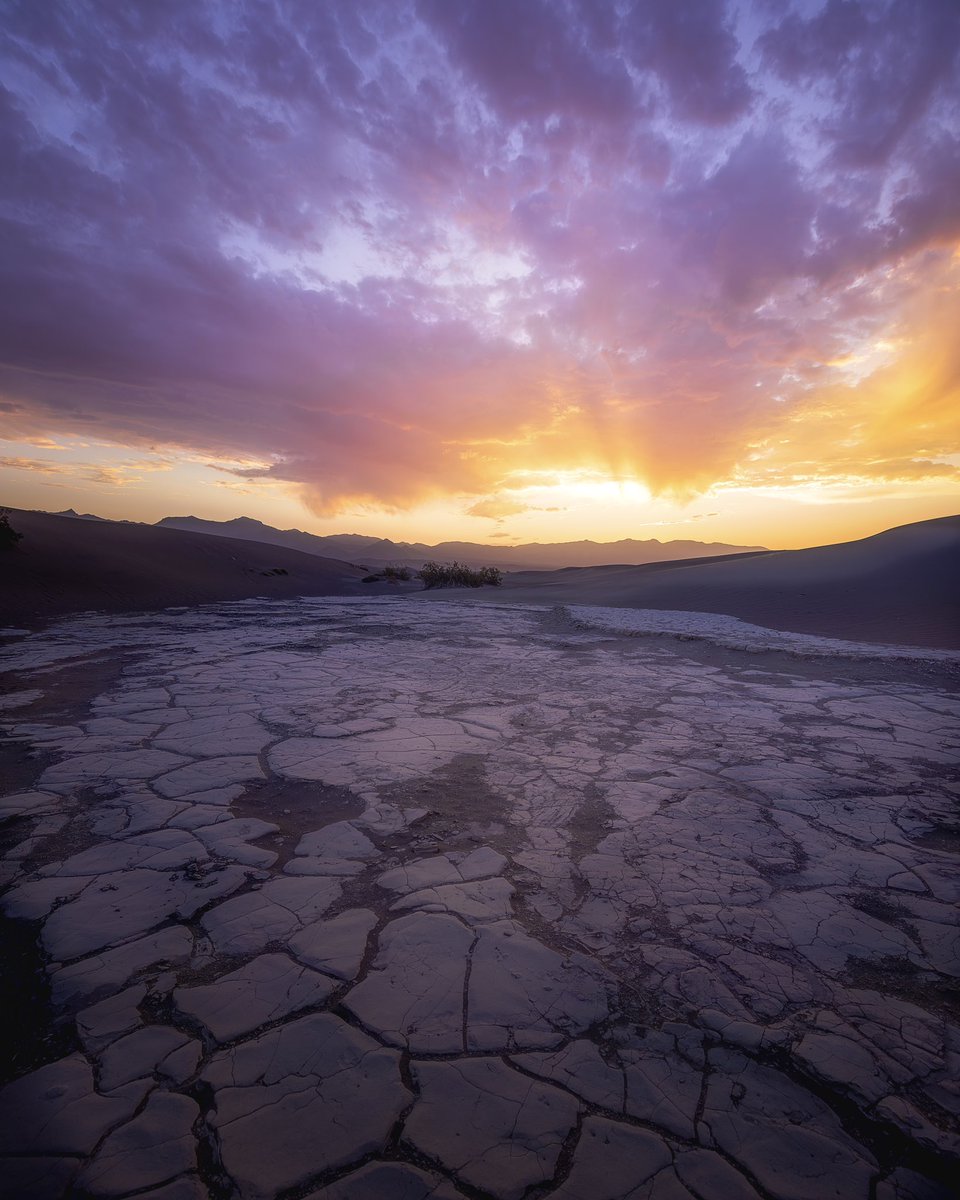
72 512
531 556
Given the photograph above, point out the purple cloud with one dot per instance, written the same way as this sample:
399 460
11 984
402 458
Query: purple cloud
691 50
885 65
400 250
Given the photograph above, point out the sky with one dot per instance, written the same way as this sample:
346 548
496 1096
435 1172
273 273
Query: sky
484 269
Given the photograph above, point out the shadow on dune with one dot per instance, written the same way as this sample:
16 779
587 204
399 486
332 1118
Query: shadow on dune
66 565
901 587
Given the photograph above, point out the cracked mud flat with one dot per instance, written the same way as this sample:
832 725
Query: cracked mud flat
377 899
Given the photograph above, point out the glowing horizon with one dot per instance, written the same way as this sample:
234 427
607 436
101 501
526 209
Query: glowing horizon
476 271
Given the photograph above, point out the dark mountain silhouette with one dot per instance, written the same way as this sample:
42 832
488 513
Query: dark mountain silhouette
374 552
72 512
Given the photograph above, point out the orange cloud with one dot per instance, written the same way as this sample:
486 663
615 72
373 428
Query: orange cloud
39 465
898 423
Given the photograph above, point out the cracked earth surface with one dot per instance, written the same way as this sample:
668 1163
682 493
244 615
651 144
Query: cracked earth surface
383 899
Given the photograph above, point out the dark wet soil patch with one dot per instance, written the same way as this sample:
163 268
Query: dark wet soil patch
461 809
891 1147
941 837
876 905
394 633
297 806
68 689
75 837
15 831
897 976
29 1036
20 767
590 824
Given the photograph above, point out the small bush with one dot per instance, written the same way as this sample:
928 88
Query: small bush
391 574
8 535
491 576
397 574
458 575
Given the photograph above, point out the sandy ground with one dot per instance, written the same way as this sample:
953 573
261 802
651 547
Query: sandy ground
350 899
65 565
900 587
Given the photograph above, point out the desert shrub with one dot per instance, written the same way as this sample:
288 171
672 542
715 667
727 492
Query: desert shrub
392 574
434 575
458 575
8 535
395 573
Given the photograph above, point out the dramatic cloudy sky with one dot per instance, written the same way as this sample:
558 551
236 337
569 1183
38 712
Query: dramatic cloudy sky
486 268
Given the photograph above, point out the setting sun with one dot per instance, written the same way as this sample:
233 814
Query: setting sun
727 273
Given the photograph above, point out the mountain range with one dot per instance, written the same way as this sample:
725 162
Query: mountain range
374 552
900 586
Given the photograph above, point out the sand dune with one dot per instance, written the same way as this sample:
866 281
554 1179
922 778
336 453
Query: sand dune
898 587
63 566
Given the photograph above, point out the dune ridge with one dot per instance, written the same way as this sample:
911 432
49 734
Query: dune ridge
899 587
64 565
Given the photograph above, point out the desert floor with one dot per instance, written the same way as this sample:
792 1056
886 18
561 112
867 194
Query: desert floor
373 899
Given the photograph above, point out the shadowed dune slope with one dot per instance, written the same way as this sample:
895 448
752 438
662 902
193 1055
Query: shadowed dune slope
898 587
64 565
901 587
